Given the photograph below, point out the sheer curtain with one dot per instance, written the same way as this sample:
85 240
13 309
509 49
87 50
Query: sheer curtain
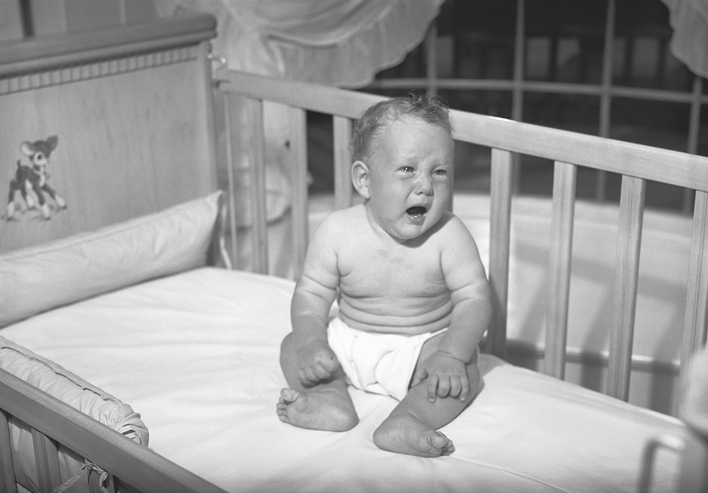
333 42
340 43
689 43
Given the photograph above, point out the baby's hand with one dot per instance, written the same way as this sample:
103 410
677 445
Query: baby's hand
445 374
316 362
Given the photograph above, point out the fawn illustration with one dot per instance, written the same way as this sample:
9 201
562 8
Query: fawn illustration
32 181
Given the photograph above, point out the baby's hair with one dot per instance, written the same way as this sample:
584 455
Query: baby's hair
431 109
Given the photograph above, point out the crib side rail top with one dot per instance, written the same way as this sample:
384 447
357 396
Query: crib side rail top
568 150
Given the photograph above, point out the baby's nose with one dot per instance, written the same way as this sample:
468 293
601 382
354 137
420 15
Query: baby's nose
424 186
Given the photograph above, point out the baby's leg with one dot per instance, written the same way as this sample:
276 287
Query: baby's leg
412 426
325 405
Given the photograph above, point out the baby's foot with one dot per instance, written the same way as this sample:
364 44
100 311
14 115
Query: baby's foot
403 433
316 410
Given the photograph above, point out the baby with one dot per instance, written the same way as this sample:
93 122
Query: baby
413 296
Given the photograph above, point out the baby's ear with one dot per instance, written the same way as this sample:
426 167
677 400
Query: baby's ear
360 179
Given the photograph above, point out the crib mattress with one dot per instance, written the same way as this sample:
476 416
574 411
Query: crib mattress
196 354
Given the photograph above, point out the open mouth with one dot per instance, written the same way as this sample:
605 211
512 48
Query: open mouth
417 211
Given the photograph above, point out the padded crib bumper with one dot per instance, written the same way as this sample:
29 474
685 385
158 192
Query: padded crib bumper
78 393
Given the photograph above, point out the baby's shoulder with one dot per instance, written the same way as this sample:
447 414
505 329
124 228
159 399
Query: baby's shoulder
451 224
342 221
451 234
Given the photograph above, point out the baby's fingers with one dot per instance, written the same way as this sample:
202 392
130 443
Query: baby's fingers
459 387
432 387
418 377
444 386
465 385
327 363
305 375
308 375
313 374
455 387
322 371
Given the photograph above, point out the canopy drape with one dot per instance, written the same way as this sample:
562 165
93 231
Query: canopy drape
689 42
334 42
340 43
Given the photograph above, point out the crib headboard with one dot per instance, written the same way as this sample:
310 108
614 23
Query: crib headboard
115 123
100 127
504 138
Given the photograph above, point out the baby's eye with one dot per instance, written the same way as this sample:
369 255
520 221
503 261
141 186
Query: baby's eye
440 172
407 169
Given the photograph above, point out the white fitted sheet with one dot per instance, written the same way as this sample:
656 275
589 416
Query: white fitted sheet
196 354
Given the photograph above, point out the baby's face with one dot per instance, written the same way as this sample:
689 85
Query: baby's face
410 171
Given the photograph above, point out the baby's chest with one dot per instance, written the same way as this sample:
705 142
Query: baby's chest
388 272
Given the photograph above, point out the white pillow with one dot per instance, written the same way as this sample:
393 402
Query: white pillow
38 278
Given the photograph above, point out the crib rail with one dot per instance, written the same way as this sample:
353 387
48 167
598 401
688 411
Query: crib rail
636 163
53 421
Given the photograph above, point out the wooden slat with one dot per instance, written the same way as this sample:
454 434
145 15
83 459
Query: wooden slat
500 237
259 231
298 170
208 122
539 86
94 482
696 317
7 469
135 464
625 158
323 99
342 163
230 177
47 461
694 131
625 290
112 487
564 181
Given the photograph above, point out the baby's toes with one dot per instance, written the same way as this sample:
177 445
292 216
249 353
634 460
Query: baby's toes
442 443
448 449
287 397
281 410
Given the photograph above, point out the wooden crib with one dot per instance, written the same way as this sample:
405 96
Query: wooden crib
636 164
157 84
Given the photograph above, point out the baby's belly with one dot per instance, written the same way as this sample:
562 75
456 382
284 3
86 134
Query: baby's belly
378 317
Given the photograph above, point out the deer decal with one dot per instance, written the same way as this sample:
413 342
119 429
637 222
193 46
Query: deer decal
31 181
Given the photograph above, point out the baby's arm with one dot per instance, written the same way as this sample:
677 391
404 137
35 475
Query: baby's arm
314 294
471 297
